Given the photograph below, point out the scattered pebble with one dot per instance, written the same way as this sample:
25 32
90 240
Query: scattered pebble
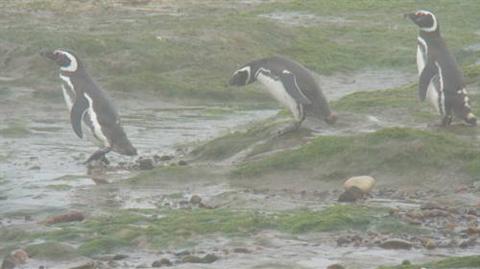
209 258
396 244
162 262
67 217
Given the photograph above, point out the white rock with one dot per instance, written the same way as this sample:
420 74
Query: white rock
364 183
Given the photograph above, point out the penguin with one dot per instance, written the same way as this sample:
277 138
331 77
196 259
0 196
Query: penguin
440 79
89 106
291 84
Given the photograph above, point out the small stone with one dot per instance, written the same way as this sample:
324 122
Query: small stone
183 253
162 262
182 163
209 258
195 199
468 243
364 183
430 244
351 195
145 164
242 250
119 257
335 266
165 158
67 217
396 244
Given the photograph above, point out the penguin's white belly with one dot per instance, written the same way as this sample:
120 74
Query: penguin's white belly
97 128
278 91
433 96
420 60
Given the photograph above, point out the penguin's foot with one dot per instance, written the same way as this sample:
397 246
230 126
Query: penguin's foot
99 155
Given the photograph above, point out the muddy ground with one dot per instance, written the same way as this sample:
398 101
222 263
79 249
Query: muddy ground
214 186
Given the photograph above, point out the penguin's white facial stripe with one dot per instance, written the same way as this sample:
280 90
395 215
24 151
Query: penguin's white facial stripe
68 91
246 70
73 66
424 13
97 128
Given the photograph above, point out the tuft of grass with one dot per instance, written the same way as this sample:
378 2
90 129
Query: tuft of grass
51 250
388 151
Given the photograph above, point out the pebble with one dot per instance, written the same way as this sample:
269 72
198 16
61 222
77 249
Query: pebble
196 200
209 258
119 257
162 262
145 164
67 217
351 195
364 183
396 244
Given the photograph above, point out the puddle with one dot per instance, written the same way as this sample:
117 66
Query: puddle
44 168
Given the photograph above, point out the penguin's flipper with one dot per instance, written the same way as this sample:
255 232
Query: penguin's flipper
425 77
290 83
76 115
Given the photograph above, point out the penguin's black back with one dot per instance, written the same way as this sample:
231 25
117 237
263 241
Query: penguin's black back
306 81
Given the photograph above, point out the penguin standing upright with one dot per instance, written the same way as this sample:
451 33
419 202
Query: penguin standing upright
441 80
90 107
289 83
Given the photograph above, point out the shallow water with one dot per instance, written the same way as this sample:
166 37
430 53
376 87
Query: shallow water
44 166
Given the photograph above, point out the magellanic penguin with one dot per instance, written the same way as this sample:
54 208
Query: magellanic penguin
90 106
289 83
441 80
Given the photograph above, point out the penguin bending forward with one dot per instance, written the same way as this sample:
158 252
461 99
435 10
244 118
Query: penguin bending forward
89 107
289 83
441 80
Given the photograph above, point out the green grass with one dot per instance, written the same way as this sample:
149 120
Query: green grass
448 263
161 229
191 56
388 151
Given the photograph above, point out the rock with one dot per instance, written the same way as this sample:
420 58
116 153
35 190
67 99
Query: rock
182 253
182 163
196 200
351 195
434 213
364 183
335 266
20 256
162 262
343 241
209 258
145 164
406 263
430 244
119 257
165 158
82 265
396 244
67 217
468 242
431 205
242 250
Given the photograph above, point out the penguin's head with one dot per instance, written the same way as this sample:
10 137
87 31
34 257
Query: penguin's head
65 59
425 20
242 77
